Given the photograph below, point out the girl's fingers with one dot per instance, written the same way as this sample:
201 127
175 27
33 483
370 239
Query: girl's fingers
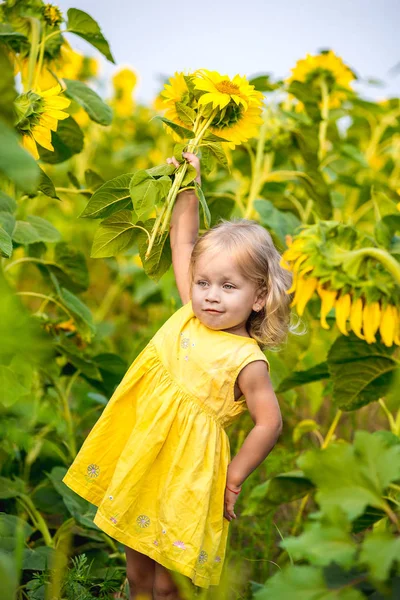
173 161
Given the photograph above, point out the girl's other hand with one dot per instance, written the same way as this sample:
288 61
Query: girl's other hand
229 503
192 159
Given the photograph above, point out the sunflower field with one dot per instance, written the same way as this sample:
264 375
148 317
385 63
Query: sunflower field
86 198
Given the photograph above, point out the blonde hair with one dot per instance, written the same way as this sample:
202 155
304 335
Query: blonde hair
252 248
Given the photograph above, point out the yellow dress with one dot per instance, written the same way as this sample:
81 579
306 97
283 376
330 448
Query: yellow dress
155 462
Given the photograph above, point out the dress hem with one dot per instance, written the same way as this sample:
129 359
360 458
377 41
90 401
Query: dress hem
124 538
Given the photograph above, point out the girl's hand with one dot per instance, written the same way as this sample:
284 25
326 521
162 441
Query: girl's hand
229 503
192 159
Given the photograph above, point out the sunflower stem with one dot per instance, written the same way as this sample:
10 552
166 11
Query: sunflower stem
380 255
257 179
35 35
40 61
323 126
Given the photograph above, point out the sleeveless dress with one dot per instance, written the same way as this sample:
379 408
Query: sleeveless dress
155 462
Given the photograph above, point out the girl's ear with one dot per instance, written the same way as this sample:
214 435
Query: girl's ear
261 298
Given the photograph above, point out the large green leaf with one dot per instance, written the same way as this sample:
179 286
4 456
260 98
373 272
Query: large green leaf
25 233
384 545
204 205
144 192
45 230
112 196
325 541
73 265
160 257
161 170
8 92
9 527
38 559
385 230
217 151
181 131
11 488
282 488
361 373
115 234
7 203
353 476
86 27
46 186
10 388
303 583
79 508
185 113
81 312
15 163
79 360
91 102
277 222
6 245
67 141
315 373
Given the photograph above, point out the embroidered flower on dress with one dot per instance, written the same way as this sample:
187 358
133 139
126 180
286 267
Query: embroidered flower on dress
143 521
185 343
113 519
203 557
179 544
93 470
186 357
155 542
217 559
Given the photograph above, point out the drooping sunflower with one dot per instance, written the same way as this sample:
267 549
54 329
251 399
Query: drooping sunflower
175 91
325 65
239 104
316 257
38 115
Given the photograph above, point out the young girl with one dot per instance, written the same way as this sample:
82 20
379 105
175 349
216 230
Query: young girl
157 463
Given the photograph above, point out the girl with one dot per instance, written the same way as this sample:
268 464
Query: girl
157 462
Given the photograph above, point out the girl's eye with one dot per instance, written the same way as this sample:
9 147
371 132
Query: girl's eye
201 283
229 286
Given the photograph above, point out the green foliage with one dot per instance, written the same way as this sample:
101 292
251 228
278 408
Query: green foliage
86 27
97 110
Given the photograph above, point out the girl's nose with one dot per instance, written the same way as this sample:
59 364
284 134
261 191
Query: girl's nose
213 294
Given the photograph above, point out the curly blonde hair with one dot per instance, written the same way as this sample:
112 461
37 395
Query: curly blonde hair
258 260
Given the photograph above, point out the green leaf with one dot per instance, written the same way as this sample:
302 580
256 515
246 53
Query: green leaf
325 541
79 360
303 583
11 488
190 176
73 265
211 137
207 160
6 246
164 184
7 204
161 170
112 196
86 27
11 389
144 192
297 378
79 508
38 559
114 235
25 233
67 141
384 545
285 487
354 153
8 576
353 476
160 257
177 153
11 527
263 83
305 93
93 180
204 206
185 113
181 131
46 186
7 221
15 163
217 150
45 230
361 373
91 102
277 222
385 230
81 311
8 92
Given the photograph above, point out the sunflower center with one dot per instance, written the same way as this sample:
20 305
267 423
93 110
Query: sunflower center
227 87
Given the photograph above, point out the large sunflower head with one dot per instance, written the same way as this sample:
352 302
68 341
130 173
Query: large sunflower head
38 114
239 105
331 68
124 82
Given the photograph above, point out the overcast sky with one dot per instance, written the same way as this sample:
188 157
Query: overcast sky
157 37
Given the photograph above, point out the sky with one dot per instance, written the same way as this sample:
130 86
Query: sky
158 37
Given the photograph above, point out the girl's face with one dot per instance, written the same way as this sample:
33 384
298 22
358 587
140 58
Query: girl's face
221 297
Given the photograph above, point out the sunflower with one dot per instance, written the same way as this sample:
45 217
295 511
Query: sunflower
325 65
312 257
39 113
124 82
239 105
175 91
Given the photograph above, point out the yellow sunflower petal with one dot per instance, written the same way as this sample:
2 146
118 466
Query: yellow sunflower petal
57 114
328 298
30 145
57 103
371 319
43 137
388 325
356 315
342 308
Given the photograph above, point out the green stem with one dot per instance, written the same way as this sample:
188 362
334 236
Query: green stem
35 35
256 179
332 428
323 126
41 56
67 416
392 422
72 191
21 260
49 298
387 260
37 519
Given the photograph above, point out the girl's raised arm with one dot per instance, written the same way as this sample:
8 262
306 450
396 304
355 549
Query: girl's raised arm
184 229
